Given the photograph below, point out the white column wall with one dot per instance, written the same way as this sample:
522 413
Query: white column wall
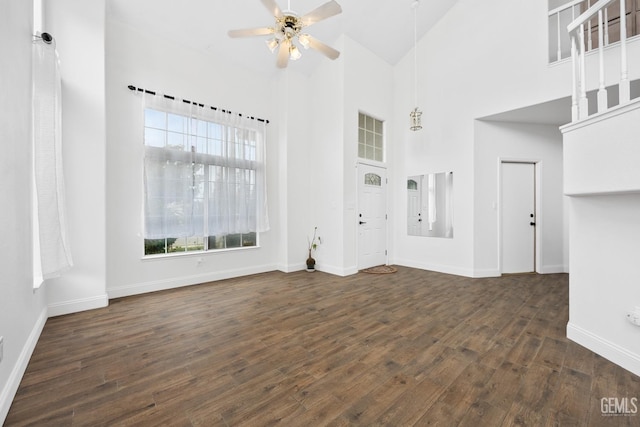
79 29
23 310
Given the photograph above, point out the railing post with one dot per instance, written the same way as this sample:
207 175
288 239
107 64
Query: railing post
583 105
625 87
602 92
574 68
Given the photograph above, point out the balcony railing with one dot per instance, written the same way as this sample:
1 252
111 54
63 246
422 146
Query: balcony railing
580 33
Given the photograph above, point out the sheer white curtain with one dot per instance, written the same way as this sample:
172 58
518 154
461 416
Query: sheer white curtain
449 205
204 171
52 255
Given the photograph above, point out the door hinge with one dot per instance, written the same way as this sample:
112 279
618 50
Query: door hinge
385 252
386 216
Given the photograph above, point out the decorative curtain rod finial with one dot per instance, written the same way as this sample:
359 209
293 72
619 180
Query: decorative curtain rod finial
45 37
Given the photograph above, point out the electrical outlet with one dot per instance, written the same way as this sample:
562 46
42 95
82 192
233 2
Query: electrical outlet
634 316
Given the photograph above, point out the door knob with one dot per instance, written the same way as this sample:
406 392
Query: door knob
362 222
532 223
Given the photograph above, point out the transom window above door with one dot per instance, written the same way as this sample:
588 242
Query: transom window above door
370 138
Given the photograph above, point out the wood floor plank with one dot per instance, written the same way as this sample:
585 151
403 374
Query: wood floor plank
410 348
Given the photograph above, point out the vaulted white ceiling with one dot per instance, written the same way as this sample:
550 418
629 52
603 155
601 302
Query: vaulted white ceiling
383 26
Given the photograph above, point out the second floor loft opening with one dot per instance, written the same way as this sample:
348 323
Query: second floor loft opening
562 12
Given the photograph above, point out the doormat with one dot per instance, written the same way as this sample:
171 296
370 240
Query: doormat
380 269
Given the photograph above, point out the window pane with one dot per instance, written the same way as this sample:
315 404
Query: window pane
202 128
154 137
372 179
177 141
249 239
177 246
233 240
378 126
378 154
177 123
216 242
154 246
155 119
370 138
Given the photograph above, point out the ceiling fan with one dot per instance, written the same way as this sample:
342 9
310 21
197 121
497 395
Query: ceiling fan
288 28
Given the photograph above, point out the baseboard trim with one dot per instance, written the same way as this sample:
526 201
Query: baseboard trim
337 271
179 282
75 306
553 269
610 351
447 269
11 387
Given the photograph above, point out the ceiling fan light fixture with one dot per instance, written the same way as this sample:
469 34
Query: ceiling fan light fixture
416 119
272 44
288 29
304 40
294 52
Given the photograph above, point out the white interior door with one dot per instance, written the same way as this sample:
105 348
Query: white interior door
372 216
414 206
518 217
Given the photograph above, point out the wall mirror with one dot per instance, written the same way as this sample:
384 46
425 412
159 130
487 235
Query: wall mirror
430 205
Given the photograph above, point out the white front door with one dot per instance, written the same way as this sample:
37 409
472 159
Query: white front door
518 217
372 216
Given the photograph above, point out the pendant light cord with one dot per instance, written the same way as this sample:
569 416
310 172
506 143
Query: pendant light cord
416 3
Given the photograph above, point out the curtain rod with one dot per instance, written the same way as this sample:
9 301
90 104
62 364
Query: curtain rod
186 101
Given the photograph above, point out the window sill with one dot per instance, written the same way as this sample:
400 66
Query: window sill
197 253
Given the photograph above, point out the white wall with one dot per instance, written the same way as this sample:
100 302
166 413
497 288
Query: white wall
368 88
78 27
467 71
150 62
603 285
23 311
542 144
358 81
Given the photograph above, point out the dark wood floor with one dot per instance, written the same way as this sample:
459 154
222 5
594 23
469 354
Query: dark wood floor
410 348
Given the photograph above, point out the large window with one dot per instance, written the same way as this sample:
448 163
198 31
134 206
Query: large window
370 138
203 177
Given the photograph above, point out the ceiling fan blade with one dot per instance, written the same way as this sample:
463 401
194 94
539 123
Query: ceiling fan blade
249 32
326 50
325 11
273 8
283 54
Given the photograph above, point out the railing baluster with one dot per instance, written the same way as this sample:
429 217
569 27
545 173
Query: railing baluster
625 86
559 54
584 102
589 28
602 92
606 27
574 77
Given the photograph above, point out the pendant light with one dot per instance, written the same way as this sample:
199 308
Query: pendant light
415 115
